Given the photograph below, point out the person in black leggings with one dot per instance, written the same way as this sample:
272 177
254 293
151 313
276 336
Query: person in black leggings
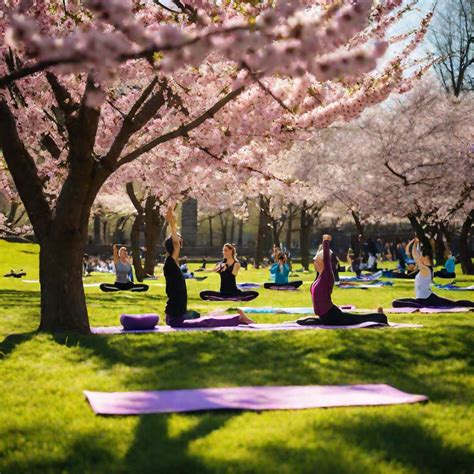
228 269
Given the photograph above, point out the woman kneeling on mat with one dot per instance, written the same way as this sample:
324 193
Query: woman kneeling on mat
425 298
321 289
228 269
177 314
281 270
124 274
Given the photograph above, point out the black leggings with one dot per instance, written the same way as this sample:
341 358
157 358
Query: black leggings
110 287
443 273
433 301
336 317
218 296
276 286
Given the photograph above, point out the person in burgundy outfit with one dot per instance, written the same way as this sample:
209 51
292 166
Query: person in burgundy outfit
321 289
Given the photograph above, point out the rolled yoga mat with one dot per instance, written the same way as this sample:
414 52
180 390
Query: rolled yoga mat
291 326
134 322
248 398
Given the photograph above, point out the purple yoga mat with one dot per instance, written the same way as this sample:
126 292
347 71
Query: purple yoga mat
248 398
446 310
251 327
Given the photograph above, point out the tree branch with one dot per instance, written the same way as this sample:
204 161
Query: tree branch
182 130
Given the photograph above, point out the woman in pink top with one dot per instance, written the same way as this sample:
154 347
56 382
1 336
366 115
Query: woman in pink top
321 289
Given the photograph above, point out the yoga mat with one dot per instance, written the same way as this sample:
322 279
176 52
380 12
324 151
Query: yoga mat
365 287
302 310
283 288
291 326
372 277
446 310
248 286
248 398
450 287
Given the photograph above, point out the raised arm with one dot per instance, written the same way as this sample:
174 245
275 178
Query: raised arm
116 254
415 251
327 252
175 237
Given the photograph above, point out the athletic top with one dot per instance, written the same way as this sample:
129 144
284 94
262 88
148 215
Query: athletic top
321 288
176 291
228 283
281 274
422 285
122 271
450 265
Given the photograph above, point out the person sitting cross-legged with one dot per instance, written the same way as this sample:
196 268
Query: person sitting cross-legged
281 270
124 274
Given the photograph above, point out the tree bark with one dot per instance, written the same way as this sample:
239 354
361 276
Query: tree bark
358 222
464 250
440 247
262 234
63 303
135 245
153 224
240 239
306 223
289 229
211 241
97 230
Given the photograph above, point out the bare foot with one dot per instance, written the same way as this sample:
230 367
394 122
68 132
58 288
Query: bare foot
243 318
380 310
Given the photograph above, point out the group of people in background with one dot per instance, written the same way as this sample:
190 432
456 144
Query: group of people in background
415 261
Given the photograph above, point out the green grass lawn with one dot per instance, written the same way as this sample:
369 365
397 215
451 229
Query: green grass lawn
47 426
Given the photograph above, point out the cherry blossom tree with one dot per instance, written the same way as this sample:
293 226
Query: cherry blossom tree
89 87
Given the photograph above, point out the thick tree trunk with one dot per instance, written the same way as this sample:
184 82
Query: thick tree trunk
153 224
104 232
135 244
232 229
240 239
289 230
358 222
464 250
440 247
97 230
276 229
211 241
63 303
305 230
262 234
419 231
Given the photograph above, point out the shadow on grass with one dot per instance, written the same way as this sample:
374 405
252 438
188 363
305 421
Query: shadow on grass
155 449
374 441
11 342
15 298
174 361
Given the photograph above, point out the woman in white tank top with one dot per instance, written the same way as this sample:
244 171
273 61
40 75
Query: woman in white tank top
425 298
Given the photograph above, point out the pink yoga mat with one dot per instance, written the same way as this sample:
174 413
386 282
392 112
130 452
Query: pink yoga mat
252 327
247 398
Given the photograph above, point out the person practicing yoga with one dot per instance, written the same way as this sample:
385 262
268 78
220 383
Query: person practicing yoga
321 289
124 274
176 310
228 269
449 270
425 298
281 270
